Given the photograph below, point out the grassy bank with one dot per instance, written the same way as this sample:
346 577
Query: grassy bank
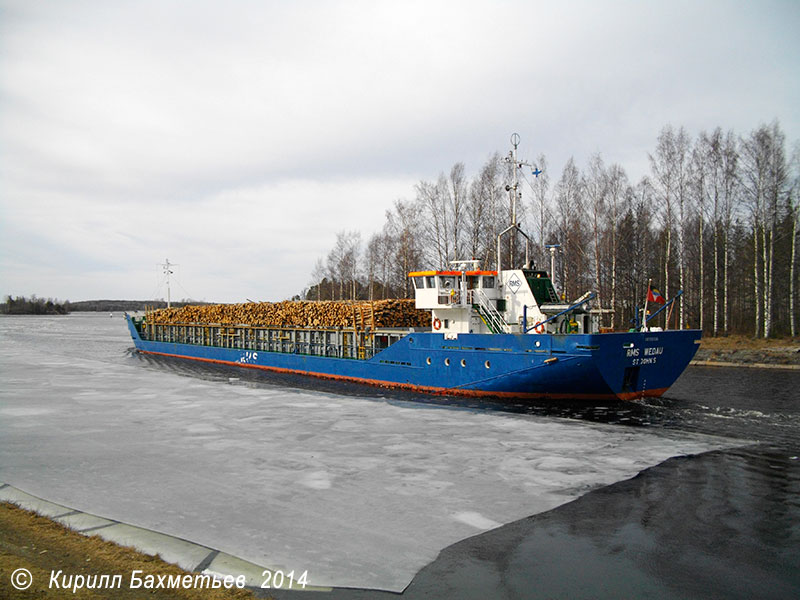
30 541
747 350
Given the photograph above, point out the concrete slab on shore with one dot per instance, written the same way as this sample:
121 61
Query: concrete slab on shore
185 554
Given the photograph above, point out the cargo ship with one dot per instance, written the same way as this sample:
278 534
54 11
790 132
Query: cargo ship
502 333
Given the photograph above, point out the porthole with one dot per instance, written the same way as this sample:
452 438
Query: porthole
538 343
463 362
487 364
446 362
428 360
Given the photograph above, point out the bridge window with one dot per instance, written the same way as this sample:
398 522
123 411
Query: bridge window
419 283
488 281
446 282
430 281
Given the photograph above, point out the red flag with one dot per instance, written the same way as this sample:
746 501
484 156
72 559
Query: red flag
653 295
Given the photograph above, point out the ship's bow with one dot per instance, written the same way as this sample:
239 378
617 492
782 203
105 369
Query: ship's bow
638 364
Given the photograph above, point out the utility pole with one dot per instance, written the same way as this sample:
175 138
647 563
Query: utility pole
167 272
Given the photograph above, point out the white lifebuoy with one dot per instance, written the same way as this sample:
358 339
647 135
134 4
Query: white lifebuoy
437 324
539 328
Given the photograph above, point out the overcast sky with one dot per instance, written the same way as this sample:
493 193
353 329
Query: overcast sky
236 138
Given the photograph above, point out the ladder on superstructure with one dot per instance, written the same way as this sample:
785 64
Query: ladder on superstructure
488 313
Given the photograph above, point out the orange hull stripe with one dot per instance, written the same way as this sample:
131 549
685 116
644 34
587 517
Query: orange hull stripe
422 388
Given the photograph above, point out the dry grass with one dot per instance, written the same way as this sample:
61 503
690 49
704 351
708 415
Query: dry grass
40 545
742 342
740 349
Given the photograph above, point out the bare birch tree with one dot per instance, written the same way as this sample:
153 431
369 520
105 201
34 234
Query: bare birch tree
596 189
317 276
705 171
731 198
618 191
670 175
457 199
483 210
540 185
569 229
374 257
403 224
766 180
777 192
794 212
661 166
638 259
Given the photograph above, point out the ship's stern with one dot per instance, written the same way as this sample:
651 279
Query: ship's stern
133 329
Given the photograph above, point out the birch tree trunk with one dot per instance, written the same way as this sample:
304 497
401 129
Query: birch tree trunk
725 306
617 187
663 163
794 209
732 195
716 270
700 236
596 187
681 160
756 290
792 275
765 280
458 200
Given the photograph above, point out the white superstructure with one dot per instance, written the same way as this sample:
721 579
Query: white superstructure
468 300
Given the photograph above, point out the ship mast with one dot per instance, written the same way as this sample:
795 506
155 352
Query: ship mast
513 190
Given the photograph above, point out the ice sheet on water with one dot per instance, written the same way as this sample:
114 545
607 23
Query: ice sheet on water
476 520
357 491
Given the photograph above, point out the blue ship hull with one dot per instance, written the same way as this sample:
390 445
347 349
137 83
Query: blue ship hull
577 366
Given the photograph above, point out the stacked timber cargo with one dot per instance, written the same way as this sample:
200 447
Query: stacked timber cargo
361 315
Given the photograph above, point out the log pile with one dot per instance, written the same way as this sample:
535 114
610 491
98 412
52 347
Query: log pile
386 313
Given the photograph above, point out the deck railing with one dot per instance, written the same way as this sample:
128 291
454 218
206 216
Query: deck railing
336 343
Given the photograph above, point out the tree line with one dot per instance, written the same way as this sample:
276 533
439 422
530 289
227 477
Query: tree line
40 306
126 305
33 306
716 217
